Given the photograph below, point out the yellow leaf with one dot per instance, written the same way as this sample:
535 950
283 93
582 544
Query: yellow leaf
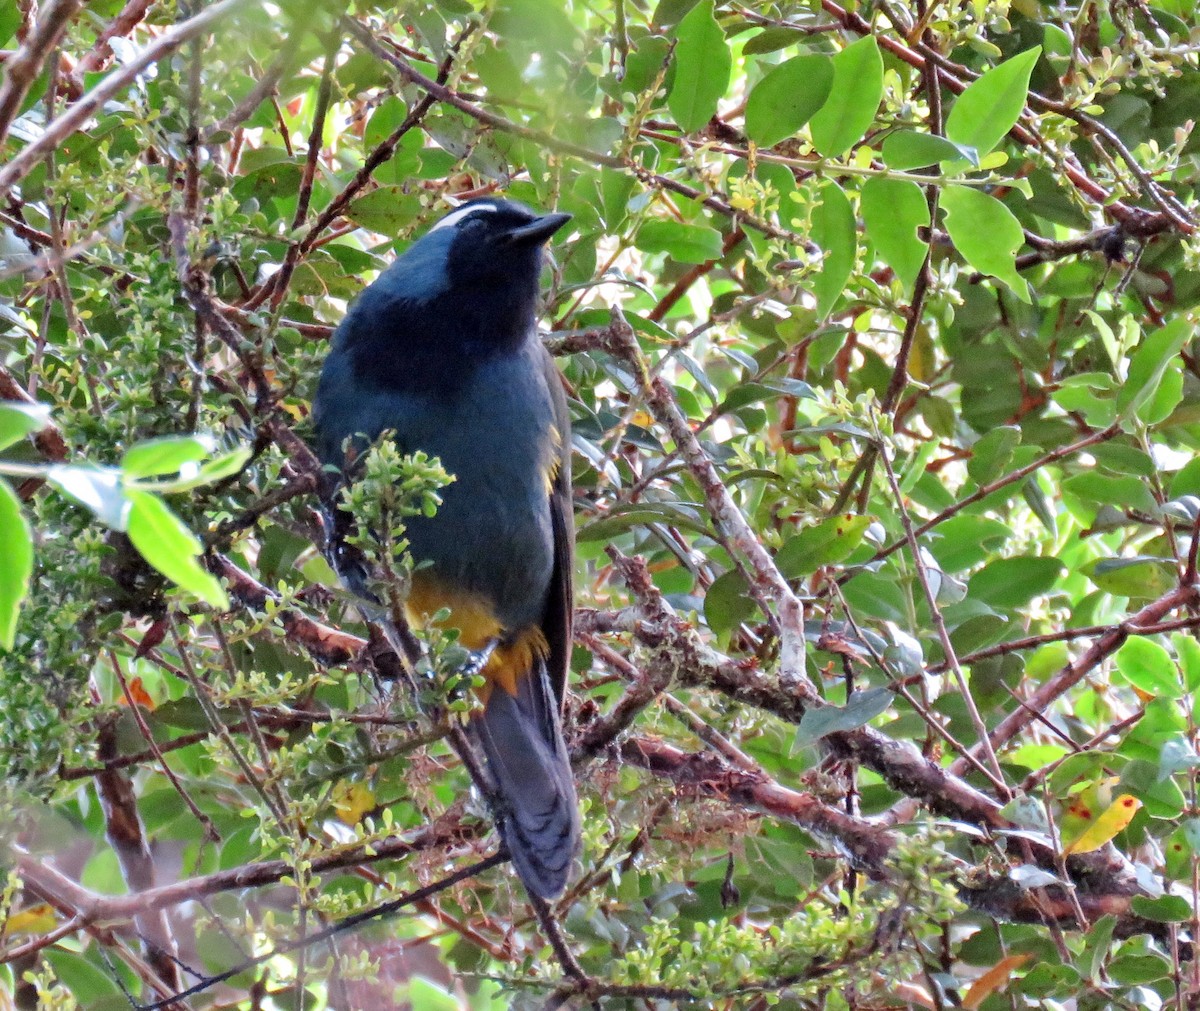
351 801
31 920
1119 814
137 692
1084 805
992 980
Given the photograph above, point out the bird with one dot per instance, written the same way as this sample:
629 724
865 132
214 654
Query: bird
442 352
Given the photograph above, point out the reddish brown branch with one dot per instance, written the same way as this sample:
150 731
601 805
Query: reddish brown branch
328 645
126 834
127 19
77 114
1107 644
23 68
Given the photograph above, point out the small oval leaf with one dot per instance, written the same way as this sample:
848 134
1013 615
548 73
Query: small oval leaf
787 98
853 99
986 233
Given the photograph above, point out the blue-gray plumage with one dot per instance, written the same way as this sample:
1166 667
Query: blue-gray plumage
442 349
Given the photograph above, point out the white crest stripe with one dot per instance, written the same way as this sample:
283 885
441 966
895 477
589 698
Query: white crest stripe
454 217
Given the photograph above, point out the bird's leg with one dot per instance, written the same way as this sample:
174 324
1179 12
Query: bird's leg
478 659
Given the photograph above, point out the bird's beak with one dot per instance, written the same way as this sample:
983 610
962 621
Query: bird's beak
538 230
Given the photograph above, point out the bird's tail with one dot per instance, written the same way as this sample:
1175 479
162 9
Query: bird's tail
521 736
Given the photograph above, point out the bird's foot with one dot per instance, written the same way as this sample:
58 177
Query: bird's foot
478 660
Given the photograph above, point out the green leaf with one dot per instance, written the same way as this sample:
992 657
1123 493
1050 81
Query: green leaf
1149 362
10 21
728 602
87 983
825 543
166 543
853 100
787 98
859 710
989 108
1146 665
1139 578
424 995
1176 755
1097 942
907 149
1164 908
1011 582
98 488
20 420
702 66
992 452
165 456
1180 847
388 210
1188 652
685 243
771 40
986 233
834 231
1107 489
16 562
963 541
893 210
216 469
1134 970
1166 397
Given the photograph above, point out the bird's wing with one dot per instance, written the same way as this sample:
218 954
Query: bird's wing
558 616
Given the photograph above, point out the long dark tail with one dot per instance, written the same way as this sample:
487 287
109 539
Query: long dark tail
522 738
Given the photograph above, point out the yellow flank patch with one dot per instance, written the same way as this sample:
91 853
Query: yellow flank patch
478 627
550 474
470 613
513 661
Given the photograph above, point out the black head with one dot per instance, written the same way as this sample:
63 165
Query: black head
466 290
495 242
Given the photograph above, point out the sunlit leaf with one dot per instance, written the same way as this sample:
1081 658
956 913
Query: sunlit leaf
894 210
1146 665
1149 364
702 66
685 243
787 97
907 149
16 562
167 544
834 231
165 456
1112 820
990 106
853 98
986 233
18 420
